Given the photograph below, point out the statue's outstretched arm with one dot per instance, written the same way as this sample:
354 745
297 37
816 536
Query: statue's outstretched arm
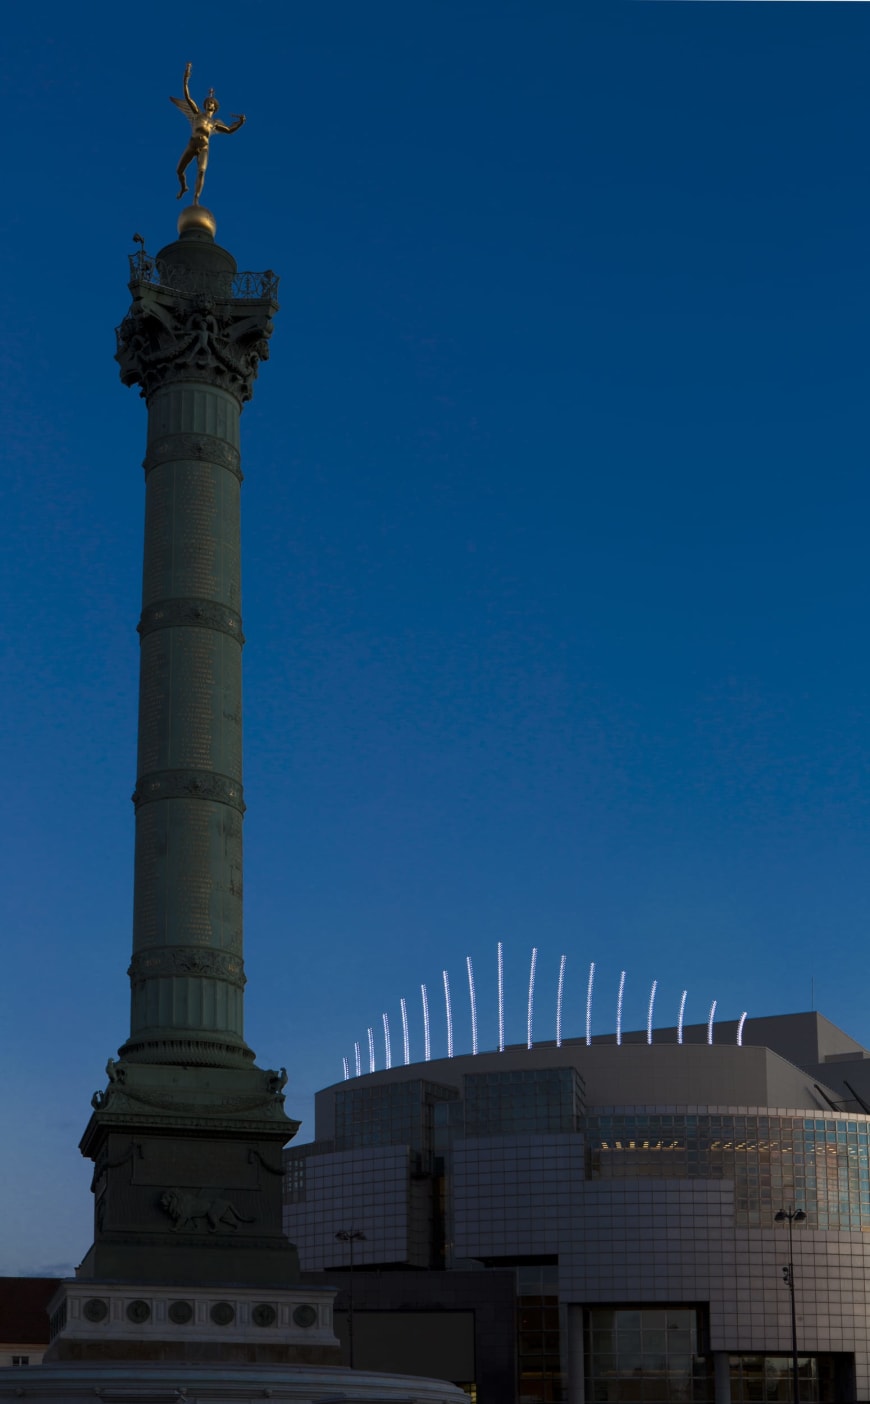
221 127
187 72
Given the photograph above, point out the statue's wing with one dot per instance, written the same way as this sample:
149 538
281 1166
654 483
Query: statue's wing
184 106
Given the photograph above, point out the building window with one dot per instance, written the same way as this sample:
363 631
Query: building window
294 1181
821 1163
648 1355
769 1377
533 1101
21 1360
538 1347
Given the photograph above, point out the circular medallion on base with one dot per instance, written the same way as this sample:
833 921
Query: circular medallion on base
196 219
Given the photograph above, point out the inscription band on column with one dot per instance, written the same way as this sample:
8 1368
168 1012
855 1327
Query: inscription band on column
189 784
195 613
201 448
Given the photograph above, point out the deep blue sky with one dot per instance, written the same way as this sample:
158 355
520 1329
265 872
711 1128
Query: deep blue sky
555 522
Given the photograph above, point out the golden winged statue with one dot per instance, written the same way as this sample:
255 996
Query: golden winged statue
203 122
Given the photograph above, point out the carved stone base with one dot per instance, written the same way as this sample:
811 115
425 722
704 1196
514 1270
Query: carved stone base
104 1321
188 1177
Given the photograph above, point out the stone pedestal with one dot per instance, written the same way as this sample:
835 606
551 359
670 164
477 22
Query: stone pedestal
110 1321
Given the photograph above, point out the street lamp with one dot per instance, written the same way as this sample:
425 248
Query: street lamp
791 1216
350 1237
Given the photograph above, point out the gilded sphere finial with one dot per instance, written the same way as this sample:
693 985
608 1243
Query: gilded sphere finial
196 219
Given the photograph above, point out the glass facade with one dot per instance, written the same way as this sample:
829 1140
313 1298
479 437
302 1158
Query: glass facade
538 1358
294 1179
392 1114
647 1355
821 1164
768 1378
525 1101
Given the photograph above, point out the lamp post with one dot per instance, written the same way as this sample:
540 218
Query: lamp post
791 1216
350 1237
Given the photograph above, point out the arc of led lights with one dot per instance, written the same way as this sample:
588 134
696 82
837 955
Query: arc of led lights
710 1021
358 1059
406 1042
531 1013
619 1008
371 1034
448 1012
740 1029
589 1003
473 1001
346 1065
500 997
559 994
427 1046
649 1017
680 1019
388 1052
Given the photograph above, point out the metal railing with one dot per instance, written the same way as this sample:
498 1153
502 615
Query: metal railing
238 287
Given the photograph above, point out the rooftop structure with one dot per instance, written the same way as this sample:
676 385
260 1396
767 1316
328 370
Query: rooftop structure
632 1190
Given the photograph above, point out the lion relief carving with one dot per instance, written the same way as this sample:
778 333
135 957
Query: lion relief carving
188 1210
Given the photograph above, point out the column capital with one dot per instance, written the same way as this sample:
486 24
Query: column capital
194 318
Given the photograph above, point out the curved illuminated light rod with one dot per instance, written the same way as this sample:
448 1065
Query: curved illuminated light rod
649 1017
406 1041
427 1046
472 997
589 1004
500 997
559 993
681 1014
619 1008
448 1011
473 1002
